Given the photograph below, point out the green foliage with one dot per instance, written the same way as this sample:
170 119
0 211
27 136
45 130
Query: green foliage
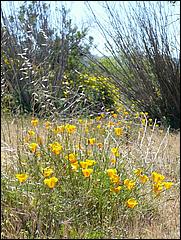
47 194
144 59
34 67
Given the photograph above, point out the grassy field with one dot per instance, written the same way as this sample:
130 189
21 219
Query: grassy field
114 176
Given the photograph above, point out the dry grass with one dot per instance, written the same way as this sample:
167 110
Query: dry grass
164 226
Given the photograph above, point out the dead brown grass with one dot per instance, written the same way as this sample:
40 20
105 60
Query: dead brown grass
164 226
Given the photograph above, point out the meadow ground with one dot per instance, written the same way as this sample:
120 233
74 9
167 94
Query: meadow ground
26 208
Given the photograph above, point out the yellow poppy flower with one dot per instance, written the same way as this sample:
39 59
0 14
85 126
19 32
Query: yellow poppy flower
98 118
167 185
80 121
115 179
91 141
84 164
90 162
115 151
59 129
56 148
34 122
114 115
126 113
157 187
130 184
100 145
38 154
47 172
27 139
111 172
22 177
143 178
75 166
31 132
87 172
116 189
110 124
47 124
138 171
71 157
33 147
157 177
131 203
118 131
50 182
70 128
113 161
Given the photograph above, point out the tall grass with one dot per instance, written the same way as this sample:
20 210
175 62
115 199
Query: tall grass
63 198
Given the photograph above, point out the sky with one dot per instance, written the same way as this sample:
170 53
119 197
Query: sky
81 15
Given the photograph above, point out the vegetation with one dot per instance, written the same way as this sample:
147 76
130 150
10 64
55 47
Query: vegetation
85 178
89 144
143 54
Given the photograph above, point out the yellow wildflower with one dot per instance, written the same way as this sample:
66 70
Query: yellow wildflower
115 151
50 182
75 166
143 121
157 187
157 177
59 129
131 203
38 154
34 122
84 164
56 148
100 145
111 172
90 162
33 147
118 131
98 118
31 132
80 121
91 141
143 178
110 124
22 177
47 124
115 179
47 172
137 115
113 160
130 184
114 115
167 185
70 128
87 172
116 189
71 157
126 113
27 139
138 171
